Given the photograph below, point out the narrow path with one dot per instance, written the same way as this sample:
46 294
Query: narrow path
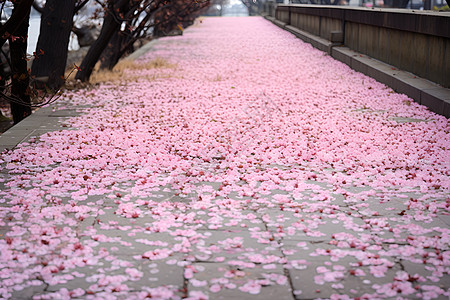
233 162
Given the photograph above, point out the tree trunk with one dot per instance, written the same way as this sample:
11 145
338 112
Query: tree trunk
162 17
19 72
114 50
110 26
21 13
84 35
53 42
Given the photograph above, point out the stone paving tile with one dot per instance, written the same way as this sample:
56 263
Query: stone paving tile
222 281
29 292
241 245
6 147
13 138
121 243
228 223
150 274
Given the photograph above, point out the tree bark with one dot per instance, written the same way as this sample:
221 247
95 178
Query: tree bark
85 35
53 42
21 13
110 25
117 46
19 72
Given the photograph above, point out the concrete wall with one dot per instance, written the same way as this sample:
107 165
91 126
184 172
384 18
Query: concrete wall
415 41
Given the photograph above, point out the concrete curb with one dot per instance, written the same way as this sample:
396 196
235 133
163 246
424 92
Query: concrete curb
41 121
142 50
425 92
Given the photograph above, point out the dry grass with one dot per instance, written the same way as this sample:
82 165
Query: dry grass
118 72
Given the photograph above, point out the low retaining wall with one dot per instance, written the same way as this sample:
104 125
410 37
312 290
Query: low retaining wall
414 41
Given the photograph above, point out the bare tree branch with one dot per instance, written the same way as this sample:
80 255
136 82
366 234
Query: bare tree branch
14 22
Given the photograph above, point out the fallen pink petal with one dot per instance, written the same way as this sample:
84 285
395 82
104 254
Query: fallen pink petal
244 163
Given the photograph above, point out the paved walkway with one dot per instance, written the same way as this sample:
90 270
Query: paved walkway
233 162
